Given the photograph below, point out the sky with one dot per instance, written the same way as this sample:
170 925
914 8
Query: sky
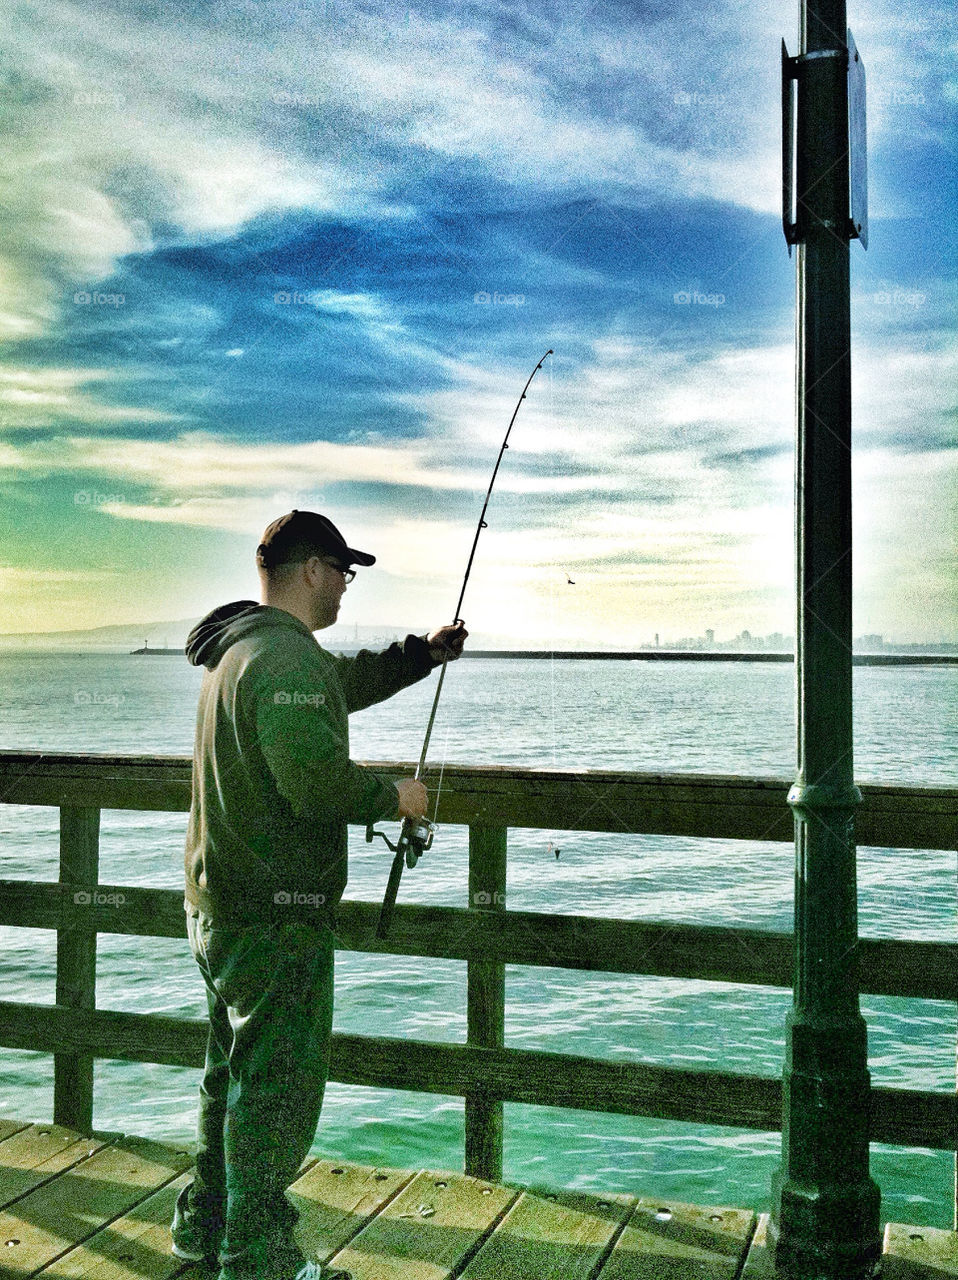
268 255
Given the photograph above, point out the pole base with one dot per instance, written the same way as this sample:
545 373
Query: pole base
829 1233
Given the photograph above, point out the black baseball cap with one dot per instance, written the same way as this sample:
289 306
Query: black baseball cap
305 533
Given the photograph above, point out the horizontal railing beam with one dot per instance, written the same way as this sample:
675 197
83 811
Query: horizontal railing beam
489 795
907 1117
922 970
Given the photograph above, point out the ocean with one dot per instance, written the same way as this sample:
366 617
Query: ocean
733 718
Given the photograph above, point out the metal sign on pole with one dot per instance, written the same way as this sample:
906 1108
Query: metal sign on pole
857 146
793 212
825 1215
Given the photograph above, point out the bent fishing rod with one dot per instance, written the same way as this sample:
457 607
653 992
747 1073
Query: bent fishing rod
417 833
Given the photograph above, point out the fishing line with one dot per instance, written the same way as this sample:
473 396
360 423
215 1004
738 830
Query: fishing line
442 770
552 585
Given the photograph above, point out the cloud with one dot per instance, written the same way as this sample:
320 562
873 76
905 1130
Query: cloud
148 124
45 399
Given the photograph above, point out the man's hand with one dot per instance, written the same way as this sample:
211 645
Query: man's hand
447 642
413 799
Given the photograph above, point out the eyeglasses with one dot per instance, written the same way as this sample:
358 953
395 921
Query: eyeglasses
348 574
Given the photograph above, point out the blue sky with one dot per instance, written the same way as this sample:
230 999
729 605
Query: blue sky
260 255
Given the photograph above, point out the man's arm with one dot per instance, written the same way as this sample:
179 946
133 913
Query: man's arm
295 714
369 677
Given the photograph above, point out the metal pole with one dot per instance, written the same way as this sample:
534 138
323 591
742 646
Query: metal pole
825 1216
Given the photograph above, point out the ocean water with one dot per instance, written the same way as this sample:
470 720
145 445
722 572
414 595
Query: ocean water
670 717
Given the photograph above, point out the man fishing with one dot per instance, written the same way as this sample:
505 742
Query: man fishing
266 865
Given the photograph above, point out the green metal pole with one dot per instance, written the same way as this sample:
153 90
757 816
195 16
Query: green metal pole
825 1216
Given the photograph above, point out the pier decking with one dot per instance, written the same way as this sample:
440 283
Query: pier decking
100 1207
75 1205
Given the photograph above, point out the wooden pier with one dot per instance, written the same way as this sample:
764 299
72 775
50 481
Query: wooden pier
100 1207
78 1202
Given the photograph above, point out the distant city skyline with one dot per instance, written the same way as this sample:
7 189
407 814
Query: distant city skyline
172 632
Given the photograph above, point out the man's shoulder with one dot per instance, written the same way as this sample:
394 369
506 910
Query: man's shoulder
275 652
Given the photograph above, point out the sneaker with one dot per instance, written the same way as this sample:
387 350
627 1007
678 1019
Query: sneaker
199 1252
313 1271
190 1241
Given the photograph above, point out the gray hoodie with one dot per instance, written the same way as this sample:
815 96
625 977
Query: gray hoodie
273 784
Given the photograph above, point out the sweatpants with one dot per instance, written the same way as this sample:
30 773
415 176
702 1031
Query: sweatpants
270 994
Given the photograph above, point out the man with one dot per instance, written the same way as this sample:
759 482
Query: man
266 850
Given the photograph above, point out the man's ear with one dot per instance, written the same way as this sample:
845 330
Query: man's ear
312 570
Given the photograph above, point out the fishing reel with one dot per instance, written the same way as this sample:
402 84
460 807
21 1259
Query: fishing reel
414 839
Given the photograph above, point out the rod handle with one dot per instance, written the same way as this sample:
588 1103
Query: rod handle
389 901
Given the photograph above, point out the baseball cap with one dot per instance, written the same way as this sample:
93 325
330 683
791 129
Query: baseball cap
307 533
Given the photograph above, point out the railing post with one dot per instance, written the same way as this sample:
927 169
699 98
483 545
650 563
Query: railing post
76 966
486 1001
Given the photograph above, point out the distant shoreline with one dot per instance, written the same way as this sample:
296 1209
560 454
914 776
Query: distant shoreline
586 655
696 655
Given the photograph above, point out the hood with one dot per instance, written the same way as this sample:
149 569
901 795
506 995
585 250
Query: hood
214 634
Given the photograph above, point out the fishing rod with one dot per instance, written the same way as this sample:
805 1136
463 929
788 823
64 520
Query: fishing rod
417 833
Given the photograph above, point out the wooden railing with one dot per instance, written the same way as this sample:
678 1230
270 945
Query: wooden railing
487 936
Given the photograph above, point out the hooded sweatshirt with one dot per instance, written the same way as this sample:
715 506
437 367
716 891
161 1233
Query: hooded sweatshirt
273 784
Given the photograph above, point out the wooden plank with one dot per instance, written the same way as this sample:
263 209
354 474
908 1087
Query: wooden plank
159 783
667 1240
918 1253
486 1000
580 800
427 1231
76 963
336 1200
557 1236
38 1153
760 1259
909 1117
132 1037
9 1127
124 909
923 970
61 1213
134 1246
909 1253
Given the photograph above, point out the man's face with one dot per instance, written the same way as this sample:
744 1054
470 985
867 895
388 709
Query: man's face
329 583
